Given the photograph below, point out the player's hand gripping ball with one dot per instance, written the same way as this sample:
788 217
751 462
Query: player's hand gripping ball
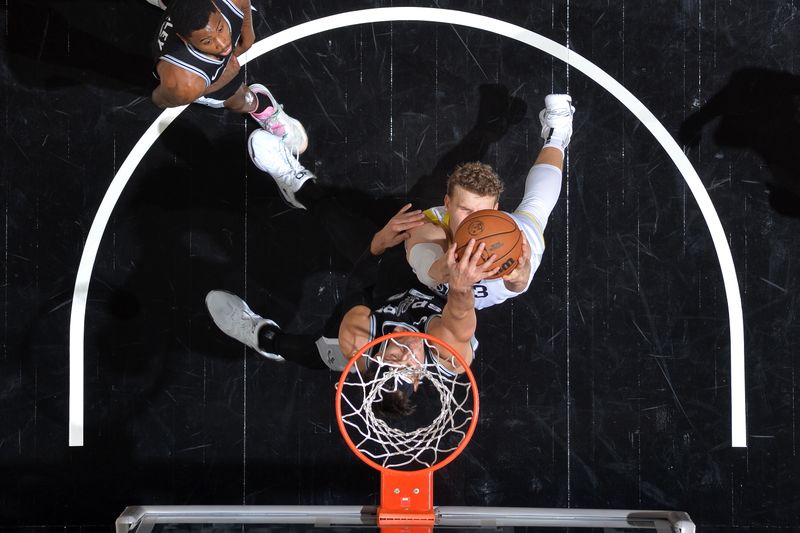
500 234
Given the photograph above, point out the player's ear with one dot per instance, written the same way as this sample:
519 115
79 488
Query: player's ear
447 202
496 204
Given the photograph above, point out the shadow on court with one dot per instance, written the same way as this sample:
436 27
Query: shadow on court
759 110
63 43
498 110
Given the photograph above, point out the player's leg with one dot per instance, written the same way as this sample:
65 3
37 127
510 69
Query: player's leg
273 156
257 101
349 231
231 96
543 183
234 317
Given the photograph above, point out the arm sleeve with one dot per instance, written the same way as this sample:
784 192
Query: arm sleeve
361 281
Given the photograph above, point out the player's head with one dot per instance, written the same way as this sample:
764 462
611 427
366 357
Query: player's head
471 187
405 356
201 24
395 401
408 352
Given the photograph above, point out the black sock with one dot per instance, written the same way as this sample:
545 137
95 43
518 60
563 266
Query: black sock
298 349
266 338
310 195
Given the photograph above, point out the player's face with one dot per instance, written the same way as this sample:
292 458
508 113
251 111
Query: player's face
463 203
215 38
407 351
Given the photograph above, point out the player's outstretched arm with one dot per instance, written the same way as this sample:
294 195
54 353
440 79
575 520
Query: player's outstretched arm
517 280
543 184
425 252
458 322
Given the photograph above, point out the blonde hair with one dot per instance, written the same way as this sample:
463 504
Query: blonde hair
477 178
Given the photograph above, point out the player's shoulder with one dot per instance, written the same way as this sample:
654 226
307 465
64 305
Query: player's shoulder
354 329
180 83
429 229
436 214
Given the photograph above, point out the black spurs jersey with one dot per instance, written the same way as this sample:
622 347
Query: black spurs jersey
412 310
171 48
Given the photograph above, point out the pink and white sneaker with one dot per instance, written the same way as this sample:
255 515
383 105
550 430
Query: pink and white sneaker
277 122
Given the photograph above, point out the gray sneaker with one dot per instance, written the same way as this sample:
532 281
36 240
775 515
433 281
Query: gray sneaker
232 315
271 155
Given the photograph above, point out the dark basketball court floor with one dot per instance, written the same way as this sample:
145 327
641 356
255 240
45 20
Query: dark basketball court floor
607 385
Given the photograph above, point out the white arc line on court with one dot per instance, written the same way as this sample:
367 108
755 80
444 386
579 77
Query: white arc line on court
443 16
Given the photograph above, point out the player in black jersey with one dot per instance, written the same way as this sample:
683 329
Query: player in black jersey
362 318
196 51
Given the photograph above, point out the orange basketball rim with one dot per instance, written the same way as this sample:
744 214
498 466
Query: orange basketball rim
405 459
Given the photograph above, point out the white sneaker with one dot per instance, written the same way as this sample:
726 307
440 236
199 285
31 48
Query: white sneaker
232 315
275 120
271 155
556 119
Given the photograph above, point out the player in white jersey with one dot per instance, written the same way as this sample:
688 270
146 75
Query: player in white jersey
475 186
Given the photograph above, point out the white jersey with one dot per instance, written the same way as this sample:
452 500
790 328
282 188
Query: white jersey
542 189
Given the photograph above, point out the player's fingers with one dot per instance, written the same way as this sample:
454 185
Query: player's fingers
404 209
490 266
490 261
403 225
491 272
478 251
413 216
486 268
466 255
451 254
399 220
412 224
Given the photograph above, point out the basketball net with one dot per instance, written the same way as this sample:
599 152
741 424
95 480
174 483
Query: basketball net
408 449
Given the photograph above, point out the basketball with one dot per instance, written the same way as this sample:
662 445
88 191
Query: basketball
498 231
